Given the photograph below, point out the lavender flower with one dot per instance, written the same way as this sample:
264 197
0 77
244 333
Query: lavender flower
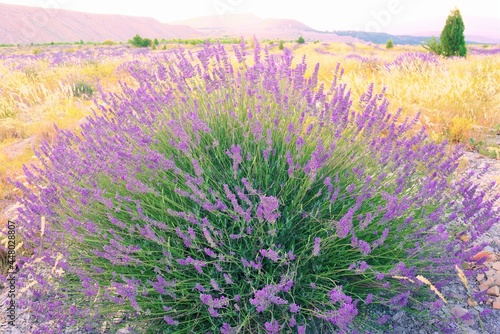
154 179
267 208
316 247
294 308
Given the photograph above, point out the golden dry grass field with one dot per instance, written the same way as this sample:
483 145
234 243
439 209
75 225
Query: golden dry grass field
458 98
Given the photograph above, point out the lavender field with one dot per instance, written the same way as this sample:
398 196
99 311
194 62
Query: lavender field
243 188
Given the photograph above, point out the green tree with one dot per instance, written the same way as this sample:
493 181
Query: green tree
433 45
389 44
281 45
146 42
301 40
140 42
156 41
452 37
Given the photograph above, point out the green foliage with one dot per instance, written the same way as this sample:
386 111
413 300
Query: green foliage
140 42
108 42
452 40
193 41
301 40
82 89
389 44
433 45
155 42
452 37
282 45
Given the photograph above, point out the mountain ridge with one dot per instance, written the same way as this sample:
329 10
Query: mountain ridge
24 24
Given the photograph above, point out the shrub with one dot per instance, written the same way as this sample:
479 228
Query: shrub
281 45
459 129
108 42
389 44
433 45
301 40
155 42
452 37
83 89
242 199
411 62
140 42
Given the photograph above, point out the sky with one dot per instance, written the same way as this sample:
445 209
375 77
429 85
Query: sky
391 16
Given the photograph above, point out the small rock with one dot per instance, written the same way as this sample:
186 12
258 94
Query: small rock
496 265
486 285
399 329
491 273
496 305
396 317
471 302
468 330
494 291
480 277
483 254
460 312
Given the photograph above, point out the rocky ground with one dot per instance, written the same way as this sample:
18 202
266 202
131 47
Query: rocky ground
486 315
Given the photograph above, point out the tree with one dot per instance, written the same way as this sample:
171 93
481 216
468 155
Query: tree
156 41
389 44
281 45
138 41
452 37
301 40
433 45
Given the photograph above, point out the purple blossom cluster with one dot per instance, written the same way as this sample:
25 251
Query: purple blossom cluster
413 61
222 192
267 296
483 51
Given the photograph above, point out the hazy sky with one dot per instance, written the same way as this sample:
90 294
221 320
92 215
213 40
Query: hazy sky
393 16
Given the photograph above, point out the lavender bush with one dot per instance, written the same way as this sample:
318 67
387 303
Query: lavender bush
413 62
241 199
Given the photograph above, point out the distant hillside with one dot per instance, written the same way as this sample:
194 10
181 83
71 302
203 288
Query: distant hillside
382 38
250 25
477 28
24 25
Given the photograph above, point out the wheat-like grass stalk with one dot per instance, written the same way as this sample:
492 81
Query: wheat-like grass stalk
462 277
433 288
403 277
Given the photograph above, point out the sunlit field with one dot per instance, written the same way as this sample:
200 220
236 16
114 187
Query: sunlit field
458 99
245 188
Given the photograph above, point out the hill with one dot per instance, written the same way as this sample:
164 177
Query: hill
249 25
382 38
24 25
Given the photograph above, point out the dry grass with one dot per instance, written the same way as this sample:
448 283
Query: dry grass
458 100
